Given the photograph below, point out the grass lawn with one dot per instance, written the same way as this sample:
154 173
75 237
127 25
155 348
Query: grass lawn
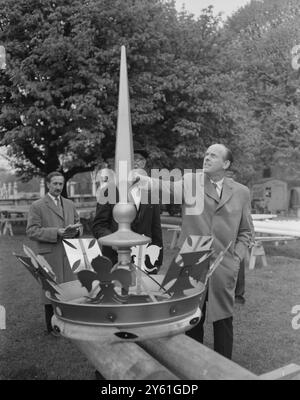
264 338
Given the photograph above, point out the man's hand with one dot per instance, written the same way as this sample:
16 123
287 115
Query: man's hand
69 232
136 176
72 230
60 232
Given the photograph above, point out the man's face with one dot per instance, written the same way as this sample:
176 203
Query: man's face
214 160
55 186
139 162
105 175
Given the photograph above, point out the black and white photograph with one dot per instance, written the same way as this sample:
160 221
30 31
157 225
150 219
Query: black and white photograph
149 193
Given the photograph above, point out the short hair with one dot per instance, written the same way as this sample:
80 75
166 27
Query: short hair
228 155
138 156
52 174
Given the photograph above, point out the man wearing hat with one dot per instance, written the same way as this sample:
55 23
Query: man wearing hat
147 221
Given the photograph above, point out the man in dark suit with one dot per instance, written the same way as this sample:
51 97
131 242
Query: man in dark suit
147 221
51 219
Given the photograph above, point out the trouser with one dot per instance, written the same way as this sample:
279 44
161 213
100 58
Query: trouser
223 333
48 316
240 284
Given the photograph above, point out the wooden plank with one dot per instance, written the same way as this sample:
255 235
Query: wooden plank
257 251
274 238
176 233
171 226
13 219
175 238
263 216
7 228
189 359
287 372
295 377
282 228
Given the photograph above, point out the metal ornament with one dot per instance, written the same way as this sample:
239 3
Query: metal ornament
124 213
103 303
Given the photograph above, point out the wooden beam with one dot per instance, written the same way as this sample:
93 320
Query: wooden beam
189 359
287 372
123 361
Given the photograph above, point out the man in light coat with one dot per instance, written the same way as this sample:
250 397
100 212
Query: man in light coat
221 209
227 217
51 219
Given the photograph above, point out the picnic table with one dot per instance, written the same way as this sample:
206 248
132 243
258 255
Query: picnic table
263 216
267 227
10 214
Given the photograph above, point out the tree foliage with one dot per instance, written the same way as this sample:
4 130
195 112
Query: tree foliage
192 82
59 93
262 36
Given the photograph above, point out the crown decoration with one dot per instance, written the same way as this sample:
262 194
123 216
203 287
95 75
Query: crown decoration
40 270
189 268
81 252
104 304
101 283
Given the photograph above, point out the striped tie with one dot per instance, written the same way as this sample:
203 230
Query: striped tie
216 187
59 206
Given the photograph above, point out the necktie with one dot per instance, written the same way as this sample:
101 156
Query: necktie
136 195
59 206
217 189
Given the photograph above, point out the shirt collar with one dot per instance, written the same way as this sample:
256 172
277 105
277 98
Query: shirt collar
53 198
135 188
219 183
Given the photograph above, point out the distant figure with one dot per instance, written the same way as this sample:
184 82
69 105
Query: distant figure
51 219
147 220
104 177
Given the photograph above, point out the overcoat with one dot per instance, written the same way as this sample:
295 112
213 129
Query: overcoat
227 220
44 220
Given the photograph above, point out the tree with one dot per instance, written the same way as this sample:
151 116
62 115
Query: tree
59 92
47 100
261 36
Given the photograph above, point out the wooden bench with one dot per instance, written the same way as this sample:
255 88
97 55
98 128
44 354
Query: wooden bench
86 204
257 250
176 233
176 228
6 224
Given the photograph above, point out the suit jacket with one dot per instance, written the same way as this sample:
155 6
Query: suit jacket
44 220
226 219
147 222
